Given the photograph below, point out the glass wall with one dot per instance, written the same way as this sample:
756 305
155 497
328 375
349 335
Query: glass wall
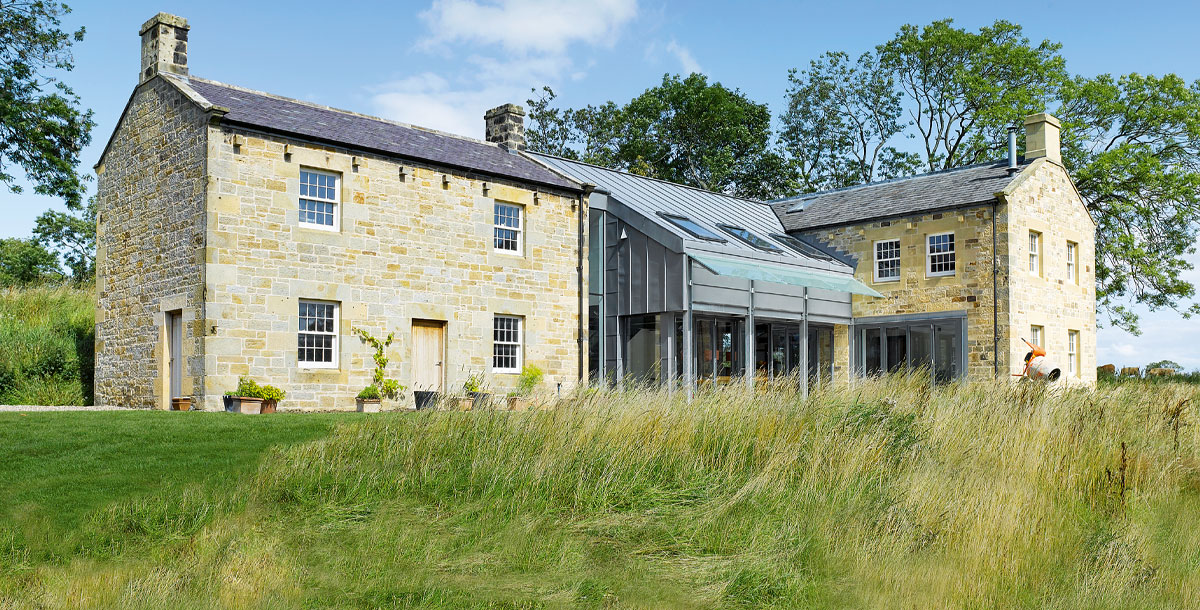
596 355
719 347
642 350
935 345
820 355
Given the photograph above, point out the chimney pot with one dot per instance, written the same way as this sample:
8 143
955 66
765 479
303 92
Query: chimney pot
164 46
505 125
1042 137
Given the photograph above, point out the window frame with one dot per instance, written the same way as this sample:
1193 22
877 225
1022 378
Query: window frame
336 334
519 250
929 254
801 247
1035 253
672 218
1073 261
1037 335
519 355
766 245
336 201
875 256
1073 362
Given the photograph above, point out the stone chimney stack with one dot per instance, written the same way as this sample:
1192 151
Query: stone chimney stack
505 125
164 46
1041 137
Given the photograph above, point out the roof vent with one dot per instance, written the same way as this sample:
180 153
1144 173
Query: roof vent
799 205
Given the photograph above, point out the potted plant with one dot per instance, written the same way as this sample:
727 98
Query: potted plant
473 387
245 399
370 399
530 378
270 396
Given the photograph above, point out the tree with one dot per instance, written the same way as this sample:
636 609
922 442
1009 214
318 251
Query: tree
705 135
1131 143
839 120
24 261
963 89
42 126
1165 364
685 130
73 236
583 134
1133 146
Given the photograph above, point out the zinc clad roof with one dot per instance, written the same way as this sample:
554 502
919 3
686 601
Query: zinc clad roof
329 125
958 187
649 197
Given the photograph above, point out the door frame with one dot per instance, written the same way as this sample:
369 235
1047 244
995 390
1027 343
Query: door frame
441 325
172 355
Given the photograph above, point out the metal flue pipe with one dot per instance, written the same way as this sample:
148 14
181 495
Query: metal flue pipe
1012 149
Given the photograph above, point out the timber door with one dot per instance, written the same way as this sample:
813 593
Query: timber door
174 357
429 348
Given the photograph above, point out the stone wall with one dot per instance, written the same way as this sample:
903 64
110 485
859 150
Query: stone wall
1043 199
969 289
410 247
149 247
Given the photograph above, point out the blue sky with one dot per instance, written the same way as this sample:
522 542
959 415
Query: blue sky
441 64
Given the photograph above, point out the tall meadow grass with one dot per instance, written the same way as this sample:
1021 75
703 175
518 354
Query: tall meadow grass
46 345
886 494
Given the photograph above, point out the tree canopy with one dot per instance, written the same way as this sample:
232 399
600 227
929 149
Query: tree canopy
42 125
73 236
24 261
932 97
685 130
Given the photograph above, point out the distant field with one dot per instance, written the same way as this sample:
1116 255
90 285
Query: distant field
885 495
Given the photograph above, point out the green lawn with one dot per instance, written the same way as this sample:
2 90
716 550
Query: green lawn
59 469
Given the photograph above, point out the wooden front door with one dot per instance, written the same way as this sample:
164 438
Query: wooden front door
429 348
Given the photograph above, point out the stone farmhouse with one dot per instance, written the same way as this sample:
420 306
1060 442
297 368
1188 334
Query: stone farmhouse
970 261
245 234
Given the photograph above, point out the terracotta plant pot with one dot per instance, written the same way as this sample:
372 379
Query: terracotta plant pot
519 403
482 400
247 405
463 403
181 403
367 405
269 406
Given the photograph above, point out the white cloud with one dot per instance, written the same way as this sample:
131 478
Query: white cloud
527 26
501 50
686 61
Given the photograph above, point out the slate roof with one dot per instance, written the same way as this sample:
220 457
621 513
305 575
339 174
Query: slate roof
338 127
959 187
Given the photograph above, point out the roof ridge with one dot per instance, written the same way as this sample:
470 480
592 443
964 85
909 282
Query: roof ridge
347 112
815 194
639 176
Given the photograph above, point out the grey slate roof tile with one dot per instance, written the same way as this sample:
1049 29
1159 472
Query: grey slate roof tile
319 123
958 187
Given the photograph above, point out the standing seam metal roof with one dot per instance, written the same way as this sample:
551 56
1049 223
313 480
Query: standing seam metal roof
340 127
649 196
